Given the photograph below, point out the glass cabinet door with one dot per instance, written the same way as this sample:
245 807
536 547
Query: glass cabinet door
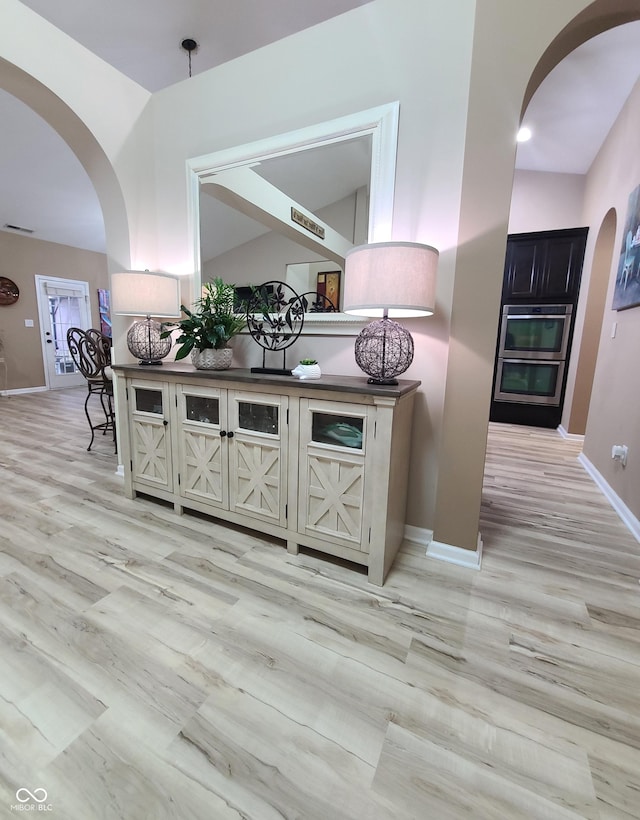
337 430
257 447
332 502
147 400
257 417
201 433
149 433
202 409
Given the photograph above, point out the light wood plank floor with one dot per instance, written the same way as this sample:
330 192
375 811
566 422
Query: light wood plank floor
157 666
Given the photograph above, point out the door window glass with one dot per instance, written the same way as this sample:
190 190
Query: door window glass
259 418
148 401
344 431
65 312
203 409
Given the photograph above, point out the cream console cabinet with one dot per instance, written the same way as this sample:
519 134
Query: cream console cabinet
320 464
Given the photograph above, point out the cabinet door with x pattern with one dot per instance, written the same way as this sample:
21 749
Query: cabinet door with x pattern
149 409
257 445
203 458
334 439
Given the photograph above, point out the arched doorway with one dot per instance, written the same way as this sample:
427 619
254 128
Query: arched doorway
501 83
83 143
602 201
52 122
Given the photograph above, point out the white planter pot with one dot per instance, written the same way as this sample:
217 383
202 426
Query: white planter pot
307 371
211 359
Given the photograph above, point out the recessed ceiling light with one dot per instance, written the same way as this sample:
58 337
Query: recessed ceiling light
524 134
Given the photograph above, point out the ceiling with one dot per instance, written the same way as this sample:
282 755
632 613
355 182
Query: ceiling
44 188
142 38
575 106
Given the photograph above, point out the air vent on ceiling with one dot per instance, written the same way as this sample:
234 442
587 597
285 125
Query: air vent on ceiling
18 228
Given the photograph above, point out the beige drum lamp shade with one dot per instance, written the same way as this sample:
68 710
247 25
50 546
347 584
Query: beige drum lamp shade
399 277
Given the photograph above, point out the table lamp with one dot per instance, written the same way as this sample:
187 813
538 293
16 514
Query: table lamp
142 293
390 280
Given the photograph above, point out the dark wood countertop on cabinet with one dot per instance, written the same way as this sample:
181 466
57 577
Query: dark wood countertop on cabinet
343 384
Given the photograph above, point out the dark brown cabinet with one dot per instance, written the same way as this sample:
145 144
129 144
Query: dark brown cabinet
544 267
541 281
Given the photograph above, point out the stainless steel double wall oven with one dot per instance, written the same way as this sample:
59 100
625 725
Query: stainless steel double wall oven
540 289
532 353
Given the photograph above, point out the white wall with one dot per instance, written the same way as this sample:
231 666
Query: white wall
380 52
545 201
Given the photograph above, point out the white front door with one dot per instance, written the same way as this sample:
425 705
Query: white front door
62 303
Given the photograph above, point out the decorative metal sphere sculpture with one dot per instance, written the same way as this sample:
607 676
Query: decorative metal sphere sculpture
384 350
144 342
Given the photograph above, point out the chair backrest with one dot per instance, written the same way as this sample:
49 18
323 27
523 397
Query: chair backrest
87 353
102 342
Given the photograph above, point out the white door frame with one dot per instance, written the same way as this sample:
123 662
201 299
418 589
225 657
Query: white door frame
51 380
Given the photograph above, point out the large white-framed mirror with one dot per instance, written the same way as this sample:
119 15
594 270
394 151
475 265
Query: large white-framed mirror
338 173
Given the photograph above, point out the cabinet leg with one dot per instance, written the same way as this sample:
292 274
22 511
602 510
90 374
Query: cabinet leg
375 575
178 508
293 547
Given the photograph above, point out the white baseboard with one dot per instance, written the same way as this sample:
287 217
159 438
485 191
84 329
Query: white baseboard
570 436
626 516
19 390
418 536
471 559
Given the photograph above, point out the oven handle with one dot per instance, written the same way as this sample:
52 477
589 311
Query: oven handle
531 361
513 316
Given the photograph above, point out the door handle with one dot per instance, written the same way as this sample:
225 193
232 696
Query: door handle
165 422
49 341
223 433
230 434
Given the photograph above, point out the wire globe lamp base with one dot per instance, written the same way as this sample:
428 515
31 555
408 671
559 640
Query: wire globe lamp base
144 342
384 350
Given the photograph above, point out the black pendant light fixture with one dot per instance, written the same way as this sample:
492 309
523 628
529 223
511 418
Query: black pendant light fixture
189 45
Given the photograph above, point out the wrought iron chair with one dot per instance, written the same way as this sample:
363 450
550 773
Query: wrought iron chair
91 353
103 343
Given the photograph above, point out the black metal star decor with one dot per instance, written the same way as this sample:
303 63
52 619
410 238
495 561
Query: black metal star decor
275 318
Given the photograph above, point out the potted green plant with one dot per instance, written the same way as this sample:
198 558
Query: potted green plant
206 330
307 369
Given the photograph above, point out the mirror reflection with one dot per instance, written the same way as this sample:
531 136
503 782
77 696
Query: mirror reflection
248 235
